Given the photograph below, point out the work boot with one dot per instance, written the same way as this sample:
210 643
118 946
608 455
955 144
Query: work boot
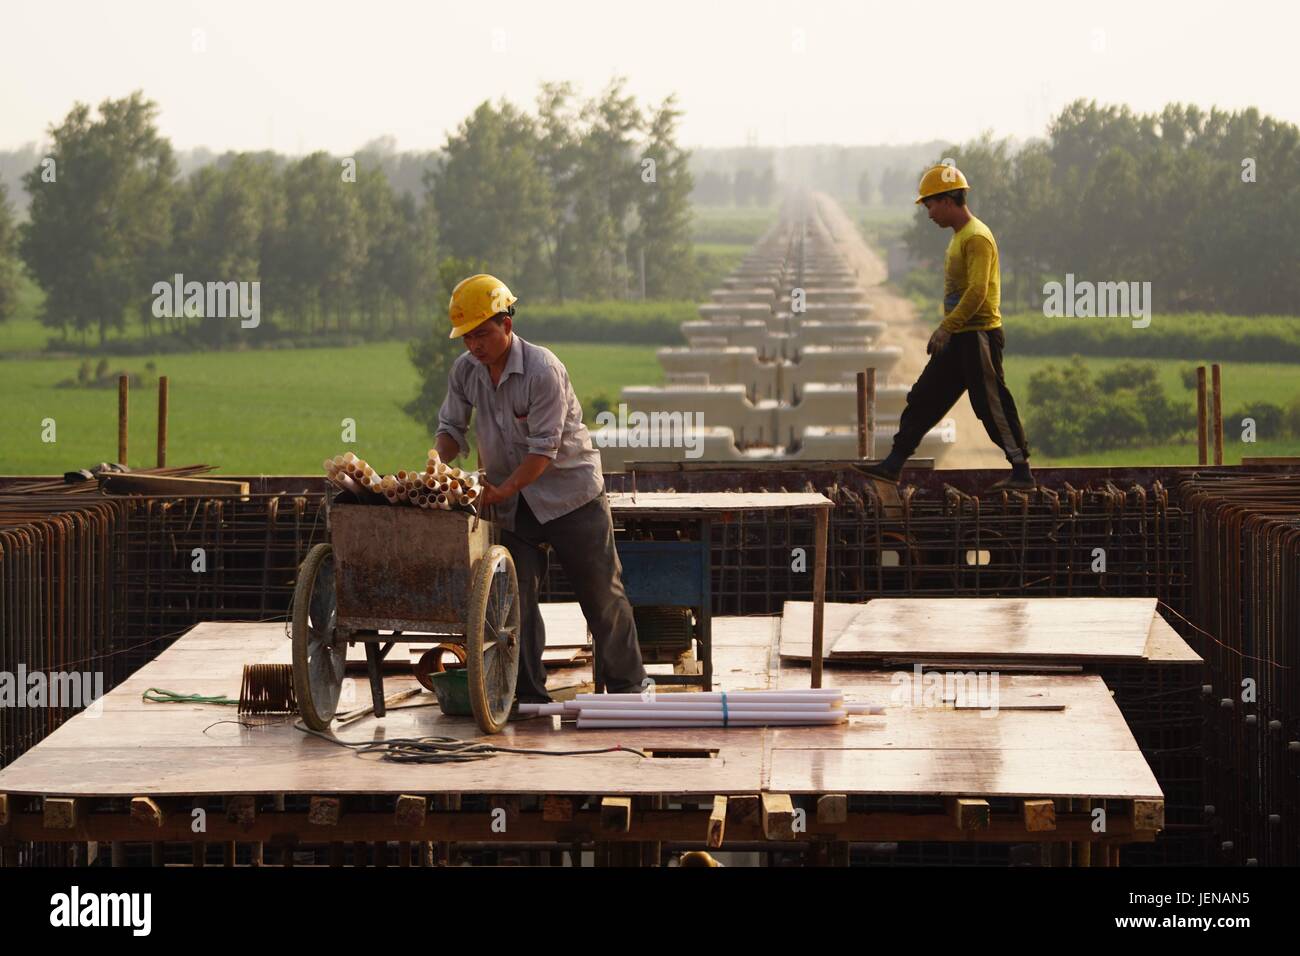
880 472
1020 479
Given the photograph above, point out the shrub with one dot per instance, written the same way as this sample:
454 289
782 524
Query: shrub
1071 413
1267 416
1292 421
1240 338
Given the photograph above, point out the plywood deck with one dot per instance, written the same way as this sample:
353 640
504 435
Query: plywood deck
135 748
1002 628
715 501
987 629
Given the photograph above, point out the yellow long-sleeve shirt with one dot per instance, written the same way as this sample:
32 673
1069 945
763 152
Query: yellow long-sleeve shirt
972 288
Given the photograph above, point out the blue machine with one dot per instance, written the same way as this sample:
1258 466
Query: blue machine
668 584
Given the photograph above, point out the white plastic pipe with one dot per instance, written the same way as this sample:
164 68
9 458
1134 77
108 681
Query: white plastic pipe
590 723
788 696
704 708
664 713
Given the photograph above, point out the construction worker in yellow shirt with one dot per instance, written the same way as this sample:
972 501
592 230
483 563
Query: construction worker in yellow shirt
966 349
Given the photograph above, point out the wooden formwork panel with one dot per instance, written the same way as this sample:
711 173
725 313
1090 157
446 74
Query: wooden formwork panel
1079 747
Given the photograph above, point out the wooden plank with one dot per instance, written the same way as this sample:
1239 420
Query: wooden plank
969 813
805 465
832 808
1043 706
411 810
1039 815
1004 628
507 802
241 809
796 628
566 626
1148 814
323 811
138 749
147 812
670 501
717 823
560 656
778 816
61 813
1164 646
557 808
128 484
616 814
1091 721
662 825
281 767
1009 773
4 809
743 808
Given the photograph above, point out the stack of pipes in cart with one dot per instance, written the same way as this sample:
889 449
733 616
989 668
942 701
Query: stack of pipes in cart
435 486
742 708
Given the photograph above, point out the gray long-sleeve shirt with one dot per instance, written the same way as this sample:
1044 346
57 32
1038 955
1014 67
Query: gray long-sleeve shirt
531 410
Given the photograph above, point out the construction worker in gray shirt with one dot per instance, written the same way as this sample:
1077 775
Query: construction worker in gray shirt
544 477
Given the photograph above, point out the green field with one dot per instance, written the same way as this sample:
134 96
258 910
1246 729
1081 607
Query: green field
736 225
267 411
1243 383
275 411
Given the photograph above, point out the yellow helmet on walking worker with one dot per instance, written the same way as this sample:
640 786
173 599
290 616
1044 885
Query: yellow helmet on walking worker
940 179
475 300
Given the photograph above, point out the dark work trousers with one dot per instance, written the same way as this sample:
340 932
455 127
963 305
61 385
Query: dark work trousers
583 540
970 362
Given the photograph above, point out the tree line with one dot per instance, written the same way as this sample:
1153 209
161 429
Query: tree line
741 187
1204 205
577 200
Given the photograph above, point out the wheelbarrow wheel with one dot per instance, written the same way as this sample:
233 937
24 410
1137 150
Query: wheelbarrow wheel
318 661
492 639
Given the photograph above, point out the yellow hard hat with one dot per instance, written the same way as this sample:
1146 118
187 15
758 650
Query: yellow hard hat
940 179
475 300
697 858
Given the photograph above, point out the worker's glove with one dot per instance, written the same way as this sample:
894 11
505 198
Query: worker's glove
938 341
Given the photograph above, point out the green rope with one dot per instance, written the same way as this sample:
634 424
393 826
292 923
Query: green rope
156 695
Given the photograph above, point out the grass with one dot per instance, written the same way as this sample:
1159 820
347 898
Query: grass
1192 336
1165 455
258 412
267 411
736 250
732 225
1243 383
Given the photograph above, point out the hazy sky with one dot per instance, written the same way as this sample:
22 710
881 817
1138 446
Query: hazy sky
297 76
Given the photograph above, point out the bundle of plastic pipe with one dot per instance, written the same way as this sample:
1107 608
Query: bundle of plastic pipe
351 473
436 485
743 708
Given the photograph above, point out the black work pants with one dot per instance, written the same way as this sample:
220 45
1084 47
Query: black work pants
971 362
583 540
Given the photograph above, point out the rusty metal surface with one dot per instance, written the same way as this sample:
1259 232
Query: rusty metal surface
1245 542
406 565
90 583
